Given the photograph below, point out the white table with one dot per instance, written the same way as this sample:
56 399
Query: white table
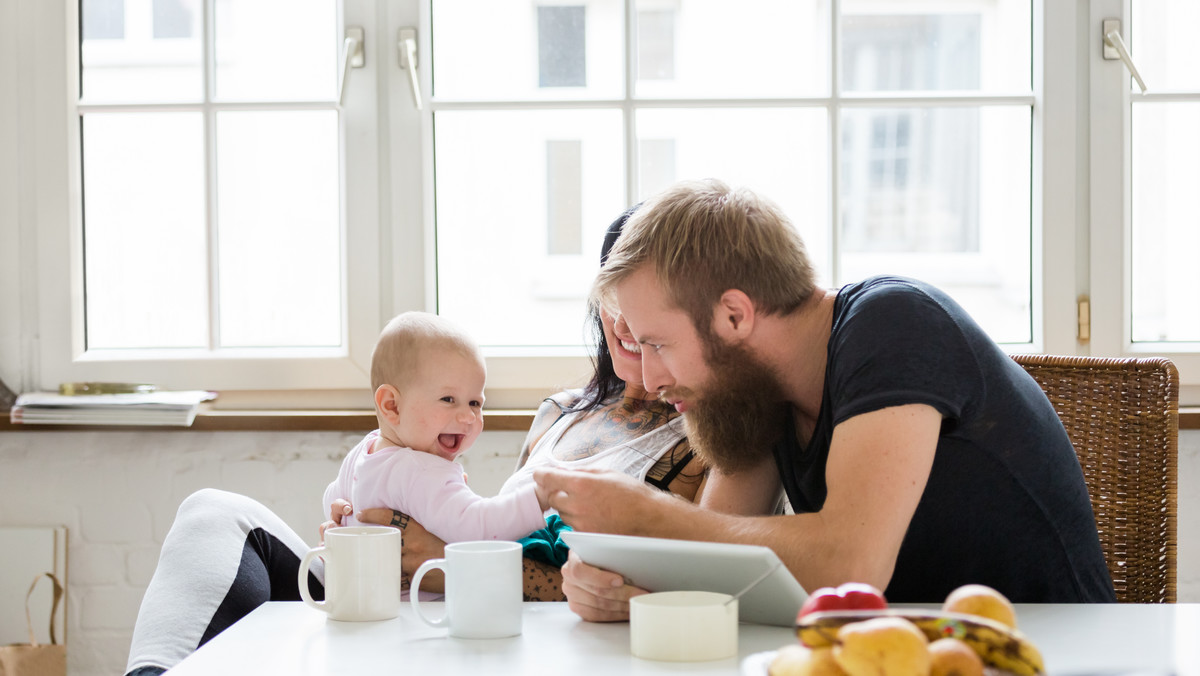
291 638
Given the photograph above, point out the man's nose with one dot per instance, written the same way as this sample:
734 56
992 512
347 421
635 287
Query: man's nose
655 377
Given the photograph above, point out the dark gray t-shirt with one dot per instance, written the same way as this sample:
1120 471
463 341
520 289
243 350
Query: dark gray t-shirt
1005 504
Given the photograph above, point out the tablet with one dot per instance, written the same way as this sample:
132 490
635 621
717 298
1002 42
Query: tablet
657 564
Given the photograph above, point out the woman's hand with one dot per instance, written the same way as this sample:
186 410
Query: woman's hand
594 594
419 545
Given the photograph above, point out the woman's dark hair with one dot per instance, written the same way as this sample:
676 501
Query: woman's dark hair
605 383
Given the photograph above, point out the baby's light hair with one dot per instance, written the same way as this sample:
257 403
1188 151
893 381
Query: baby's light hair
401 345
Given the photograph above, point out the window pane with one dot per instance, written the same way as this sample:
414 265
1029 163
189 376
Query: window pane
564 197
277 50
1166 221
1164 44
562 46
174 19
518 50
102 19
495 277
777 152
772 48
656 44
145 249
948 45
942 194
141 53
279 229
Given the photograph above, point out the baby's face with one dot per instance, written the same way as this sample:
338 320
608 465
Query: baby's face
441 409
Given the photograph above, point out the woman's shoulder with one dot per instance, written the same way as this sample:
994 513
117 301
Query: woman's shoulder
563 401
553 407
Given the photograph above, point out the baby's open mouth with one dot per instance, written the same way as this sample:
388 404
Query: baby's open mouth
450 442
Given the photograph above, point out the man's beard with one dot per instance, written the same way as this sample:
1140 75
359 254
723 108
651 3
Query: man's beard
738 418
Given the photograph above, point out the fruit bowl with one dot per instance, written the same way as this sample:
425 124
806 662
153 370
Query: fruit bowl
993 646
758 664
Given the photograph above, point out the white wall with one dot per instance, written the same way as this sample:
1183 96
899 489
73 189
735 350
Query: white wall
117 493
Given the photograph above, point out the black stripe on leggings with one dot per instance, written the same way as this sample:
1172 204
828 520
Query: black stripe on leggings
267 572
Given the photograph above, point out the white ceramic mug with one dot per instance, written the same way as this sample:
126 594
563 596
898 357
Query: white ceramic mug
483 589
362 573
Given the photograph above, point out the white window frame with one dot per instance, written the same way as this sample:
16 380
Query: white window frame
1080 210
56 235
1110 204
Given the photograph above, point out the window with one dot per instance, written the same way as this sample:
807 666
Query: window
941 139
1143 204
226 195
932 103
214 200
1165 170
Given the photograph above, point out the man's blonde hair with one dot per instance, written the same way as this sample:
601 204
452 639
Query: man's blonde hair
703 238
404 341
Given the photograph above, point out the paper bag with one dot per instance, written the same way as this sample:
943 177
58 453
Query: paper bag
34 659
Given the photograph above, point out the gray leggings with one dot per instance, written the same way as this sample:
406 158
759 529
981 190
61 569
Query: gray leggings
224 556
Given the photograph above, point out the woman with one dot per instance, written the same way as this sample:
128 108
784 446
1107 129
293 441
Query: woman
227 554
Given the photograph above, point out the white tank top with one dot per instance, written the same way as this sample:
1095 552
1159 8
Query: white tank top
634 457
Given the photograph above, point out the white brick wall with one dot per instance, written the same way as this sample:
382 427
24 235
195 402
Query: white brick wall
117 492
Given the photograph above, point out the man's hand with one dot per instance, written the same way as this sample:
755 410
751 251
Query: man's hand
594 594
419 545
597 501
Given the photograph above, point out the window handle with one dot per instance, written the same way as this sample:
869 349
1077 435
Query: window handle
406 41
1114 43
353 56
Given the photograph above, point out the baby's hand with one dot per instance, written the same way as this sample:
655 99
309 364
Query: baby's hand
340 508
325 526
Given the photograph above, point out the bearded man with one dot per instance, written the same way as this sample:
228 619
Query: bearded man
916 455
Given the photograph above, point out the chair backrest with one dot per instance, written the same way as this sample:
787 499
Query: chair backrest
1123 417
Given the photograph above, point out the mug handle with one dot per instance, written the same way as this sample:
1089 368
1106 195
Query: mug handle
302 579
414 592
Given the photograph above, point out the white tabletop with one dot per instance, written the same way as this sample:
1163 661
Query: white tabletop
291 638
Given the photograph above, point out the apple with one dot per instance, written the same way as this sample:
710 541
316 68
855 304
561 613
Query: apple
849 596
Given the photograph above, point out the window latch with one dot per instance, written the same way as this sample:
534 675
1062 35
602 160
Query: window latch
1114 48
406 43
353 56
1084 318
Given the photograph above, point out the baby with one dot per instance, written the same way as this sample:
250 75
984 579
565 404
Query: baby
428 379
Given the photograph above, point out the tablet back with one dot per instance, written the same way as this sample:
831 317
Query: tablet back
657 564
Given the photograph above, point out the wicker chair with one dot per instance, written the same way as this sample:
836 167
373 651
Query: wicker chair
1123 417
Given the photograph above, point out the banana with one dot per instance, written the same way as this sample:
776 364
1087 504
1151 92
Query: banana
996 644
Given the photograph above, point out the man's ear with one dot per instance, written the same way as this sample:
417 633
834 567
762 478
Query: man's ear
387 402
733 316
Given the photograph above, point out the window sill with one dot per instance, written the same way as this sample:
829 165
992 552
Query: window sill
281 421
502 420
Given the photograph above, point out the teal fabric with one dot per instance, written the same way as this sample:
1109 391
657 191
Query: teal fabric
546 545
